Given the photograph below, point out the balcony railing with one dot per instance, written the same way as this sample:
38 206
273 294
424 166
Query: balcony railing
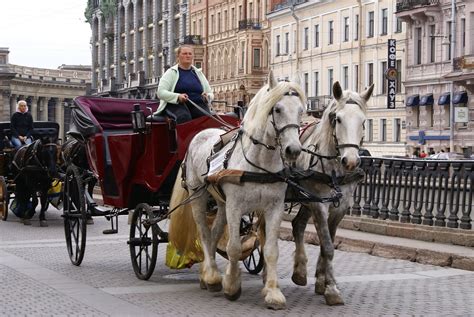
282 4
252 24
193 39
316 105
405 5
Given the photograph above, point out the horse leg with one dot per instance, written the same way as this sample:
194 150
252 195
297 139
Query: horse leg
209 274
325 281
44 207
300 258
274 298
231 282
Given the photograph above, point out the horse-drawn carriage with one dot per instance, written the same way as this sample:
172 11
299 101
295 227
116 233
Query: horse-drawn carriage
136 164
30 170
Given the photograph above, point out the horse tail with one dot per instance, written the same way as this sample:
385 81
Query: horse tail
184 246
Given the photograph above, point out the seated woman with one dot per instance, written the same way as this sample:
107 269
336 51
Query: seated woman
21 125
181 84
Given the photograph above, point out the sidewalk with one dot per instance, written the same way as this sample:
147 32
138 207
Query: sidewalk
433 253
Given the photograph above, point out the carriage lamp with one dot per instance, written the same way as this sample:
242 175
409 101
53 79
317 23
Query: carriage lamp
138 119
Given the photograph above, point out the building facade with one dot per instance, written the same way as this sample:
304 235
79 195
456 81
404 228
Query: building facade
46 91
345 41
133 43
439 56
235 45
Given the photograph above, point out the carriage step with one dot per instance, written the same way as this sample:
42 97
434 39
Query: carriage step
136 242
110 231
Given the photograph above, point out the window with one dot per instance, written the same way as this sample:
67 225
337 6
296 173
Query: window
226 22
417 46
212 23
218 22
240 13
345 77
250 15
306 83
305 38
356 77
369 132
277 45
232 17
448 31
463 33
370 19
316 83
398 27
256 58
194 30
397 130
346 29
432 44
200 27
383 79
399 75
316 35
383 130
242 55
287 43
330 80
331 32
370 74
384 21
356 28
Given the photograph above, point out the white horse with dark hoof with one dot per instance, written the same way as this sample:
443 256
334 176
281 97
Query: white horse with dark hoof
267 142
333 146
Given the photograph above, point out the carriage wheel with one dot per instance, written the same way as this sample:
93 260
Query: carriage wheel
4 197
254 262
74 213
143 242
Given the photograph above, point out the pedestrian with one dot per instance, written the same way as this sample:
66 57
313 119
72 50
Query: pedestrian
181 84
423 154
21 125
416 153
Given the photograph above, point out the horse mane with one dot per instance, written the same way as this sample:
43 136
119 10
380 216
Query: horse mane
260 106
324 138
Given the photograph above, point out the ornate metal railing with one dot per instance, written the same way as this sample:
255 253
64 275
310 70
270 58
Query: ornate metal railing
434 193
404 5
192 39
253 24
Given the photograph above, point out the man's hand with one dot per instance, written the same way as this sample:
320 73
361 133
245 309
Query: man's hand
22 138
182 98
204 97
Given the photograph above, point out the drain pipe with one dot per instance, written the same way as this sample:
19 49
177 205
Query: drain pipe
297 42
453 52
359 39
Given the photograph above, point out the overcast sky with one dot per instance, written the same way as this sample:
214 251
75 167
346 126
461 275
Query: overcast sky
45 34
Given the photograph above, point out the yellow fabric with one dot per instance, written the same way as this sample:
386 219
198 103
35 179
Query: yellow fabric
54 193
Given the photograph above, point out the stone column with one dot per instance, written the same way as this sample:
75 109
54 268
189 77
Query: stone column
127 35
146 42
34 108
59 116
135 38
117 47
13 102
43 109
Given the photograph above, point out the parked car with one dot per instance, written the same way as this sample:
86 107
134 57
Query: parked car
448 156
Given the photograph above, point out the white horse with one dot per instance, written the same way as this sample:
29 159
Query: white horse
335 144
268 140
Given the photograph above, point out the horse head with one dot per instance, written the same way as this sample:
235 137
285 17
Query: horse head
347 116
274 116
48 156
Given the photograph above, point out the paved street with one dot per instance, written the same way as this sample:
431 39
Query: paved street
37 278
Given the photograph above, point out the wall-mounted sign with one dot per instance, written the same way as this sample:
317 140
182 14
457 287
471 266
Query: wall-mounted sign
391 73
461 114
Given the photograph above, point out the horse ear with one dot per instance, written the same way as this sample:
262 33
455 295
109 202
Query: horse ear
296 78
368 93
271 80
337 90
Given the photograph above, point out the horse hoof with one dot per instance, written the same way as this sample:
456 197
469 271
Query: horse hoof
26 222
299 280
333 298
43 223
202 284
214 287
90 221
235 296
320 288
276 306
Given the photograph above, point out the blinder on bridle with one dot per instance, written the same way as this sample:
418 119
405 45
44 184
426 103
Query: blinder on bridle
333 120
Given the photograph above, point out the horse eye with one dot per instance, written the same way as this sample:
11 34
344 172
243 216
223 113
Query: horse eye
338 120
277 110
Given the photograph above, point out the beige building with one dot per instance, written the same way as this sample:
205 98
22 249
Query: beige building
234 50
133 43
437 59
344 40
46 91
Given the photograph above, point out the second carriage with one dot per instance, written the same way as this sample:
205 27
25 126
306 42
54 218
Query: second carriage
134 162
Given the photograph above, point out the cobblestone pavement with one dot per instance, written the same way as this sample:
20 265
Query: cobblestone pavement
37 278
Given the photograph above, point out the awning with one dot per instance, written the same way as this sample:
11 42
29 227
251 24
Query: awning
444 99
427 100
460 97
413 101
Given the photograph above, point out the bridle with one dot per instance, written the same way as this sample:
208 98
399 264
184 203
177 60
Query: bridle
332 118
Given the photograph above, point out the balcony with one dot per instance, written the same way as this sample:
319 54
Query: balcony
316 105
192 39
406 5
249 24
283 4
464 62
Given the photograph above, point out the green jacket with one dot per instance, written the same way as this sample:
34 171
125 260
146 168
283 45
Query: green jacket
168 83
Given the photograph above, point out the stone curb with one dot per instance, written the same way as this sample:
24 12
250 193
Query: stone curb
389 251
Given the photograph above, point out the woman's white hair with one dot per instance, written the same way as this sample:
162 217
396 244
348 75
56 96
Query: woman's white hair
21 102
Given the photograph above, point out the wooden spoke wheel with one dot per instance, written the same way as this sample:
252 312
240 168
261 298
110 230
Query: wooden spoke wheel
143 242
255 261
75 215
4 198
